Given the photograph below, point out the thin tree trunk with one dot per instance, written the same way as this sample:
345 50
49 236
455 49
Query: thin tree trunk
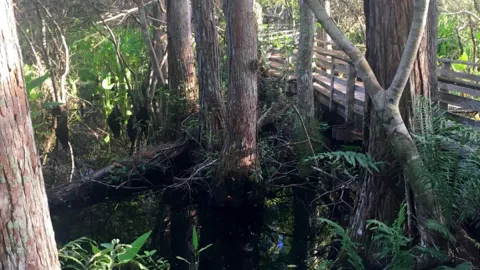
181 70
212 108
304 194
27 239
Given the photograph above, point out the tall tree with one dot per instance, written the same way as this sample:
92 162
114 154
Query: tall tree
212 109
303 193
183 98
181 70
27 240
380 195
238 193
386 103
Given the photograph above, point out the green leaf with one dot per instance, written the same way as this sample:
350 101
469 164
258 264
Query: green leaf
106 139
461 67
136 245
36 82
106 84
182 259
95 249
195 238
49 105
107 245
205 247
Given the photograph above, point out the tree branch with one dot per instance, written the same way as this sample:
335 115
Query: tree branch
372 86
419 20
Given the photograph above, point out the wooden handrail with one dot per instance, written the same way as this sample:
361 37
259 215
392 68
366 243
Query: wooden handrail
343 91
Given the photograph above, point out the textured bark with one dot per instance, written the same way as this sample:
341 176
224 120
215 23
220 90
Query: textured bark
212 108
239 155
181 70
26 235
304 64
386 103
238 199
388 23
303 195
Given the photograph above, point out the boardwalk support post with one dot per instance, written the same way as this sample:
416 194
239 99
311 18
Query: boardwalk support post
350 96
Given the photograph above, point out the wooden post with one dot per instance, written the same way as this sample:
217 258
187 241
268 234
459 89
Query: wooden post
332 84
350 97
443 105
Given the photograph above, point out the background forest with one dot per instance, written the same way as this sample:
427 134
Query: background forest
208 134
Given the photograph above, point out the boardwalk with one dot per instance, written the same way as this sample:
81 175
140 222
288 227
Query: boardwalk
344 93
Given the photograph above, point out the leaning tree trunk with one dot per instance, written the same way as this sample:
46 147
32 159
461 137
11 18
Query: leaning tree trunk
27 240
379 196
181 70
303 194
212 109
238 198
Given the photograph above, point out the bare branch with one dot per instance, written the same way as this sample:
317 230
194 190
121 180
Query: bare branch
419 20
372 86
121 15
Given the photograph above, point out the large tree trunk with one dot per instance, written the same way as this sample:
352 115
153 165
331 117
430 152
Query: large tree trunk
386 103
27 240
181 70
238 198
388 23
304 194
212 109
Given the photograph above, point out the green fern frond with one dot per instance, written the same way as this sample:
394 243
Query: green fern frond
347 243
351 158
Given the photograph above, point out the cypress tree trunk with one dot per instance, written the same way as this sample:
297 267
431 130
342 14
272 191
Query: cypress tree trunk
26 235
212 109
238 196
181 70
303 194
387 27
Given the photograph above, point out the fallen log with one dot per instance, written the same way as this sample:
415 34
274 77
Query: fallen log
156 170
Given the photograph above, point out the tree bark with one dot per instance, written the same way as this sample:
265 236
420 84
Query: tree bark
181 70
239 156
379 196
238 199
386 103
212 108
27 239
303 194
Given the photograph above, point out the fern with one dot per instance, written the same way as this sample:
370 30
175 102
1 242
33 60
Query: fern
451 163
395 246
351 158
463 266
347 243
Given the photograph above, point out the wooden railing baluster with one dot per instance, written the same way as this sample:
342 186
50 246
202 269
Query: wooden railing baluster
350 97
332 84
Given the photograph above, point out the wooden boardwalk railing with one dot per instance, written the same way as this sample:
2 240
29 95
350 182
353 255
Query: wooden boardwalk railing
337 86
